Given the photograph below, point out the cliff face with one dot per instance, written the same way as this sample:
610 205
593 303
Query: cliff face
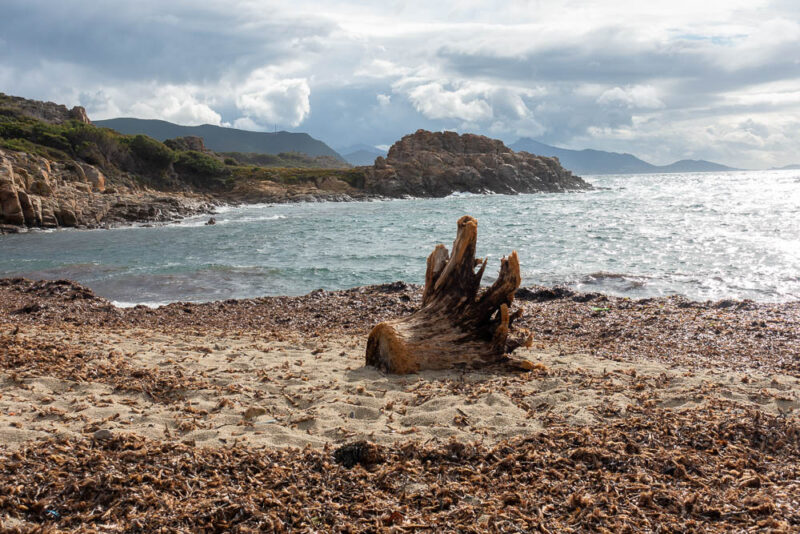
38 192
436 164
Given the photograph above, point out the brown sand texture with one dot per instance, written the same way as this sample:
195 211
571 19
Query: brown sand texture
221 388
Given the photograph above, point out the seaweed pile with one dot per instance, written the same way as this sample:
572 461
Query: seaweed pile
711 471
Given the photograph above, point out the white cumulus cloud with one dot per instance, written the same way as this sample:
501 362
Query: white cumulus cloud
384 100
265 98
632 97
435 101
179 104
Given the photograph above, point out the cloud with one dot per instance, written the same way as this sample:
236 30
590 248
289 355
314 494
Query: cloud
178 104
635 97
437 102
246 123
266 98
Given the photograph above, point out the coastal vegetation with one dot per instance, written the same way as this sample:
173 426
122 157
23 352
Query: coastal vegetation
172 163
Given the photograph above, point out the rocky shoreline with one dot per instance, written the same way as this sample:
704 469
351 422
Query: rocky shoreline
58 170
36 192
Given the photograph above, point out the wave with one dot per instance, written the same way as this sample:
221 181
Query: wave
202 221
467 194
153 304
627 281
253 219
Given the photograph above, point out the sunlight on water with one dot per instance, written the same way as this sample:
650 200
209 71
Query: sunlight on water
706 236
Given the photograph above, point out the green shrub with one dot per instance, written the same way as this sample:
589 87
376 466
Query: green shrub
152 152
23 145
199 168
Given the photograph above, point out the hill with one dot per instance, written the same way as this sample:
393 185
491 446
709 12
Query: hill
590 161
694 165
221 139
361 154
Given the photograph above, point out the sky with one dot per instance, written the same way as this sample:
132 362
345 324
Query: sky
711 79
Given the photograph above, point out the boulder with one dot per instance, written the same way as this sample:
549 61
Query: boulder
41 187
37 211
10 208
78 113
7 174
95 178
75 172
67 217
28 211
49 219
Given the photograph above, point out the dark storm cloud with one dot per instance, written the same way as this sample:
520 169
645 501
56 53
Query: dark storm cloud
605 62
172 42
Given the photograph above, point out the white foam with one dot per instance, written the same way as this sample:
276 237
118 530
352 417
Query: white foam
253 219
153 304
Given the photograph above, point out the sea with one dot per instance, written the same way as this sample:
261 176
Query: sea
706 236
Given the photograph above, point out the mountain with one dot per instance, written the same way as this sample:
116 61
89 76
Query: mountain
590 161
221 139
361 154
694 165
792 167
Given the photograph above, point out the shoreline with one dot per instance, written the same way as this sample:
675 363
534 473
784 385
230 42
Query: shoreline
198 413
211 202
585 320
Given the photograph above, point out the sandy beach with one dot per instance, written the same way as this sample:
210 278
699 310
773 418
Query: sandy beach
286 376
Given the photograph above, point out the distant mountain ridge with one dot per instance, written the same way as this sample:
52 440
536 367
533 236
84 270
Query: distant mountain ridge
790 167
221 139
360 154
589 161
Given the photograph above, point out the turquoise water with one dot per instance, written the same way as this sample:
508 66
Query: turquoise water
705 236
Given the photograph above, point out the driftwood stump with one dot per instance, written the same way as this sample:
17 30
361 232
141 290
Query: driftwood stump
459 323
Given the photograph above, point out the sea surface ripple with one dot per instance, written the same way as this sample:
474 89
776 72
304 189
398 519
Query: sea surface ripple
702 235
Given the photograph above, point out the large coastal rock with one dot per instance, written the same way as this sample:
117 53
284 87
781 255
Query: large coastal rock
436 164
38 192
45 111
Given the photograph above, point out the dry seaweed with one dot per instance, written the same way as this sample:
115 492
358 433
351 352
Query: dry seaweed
641 468
709 471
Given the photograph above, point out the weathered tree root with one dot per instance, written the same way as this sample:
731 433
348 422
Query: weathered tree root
459 324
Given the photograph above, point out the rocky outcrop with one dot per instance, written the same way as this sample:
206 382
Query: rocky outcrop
436 164
44 111
38 192
324 189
